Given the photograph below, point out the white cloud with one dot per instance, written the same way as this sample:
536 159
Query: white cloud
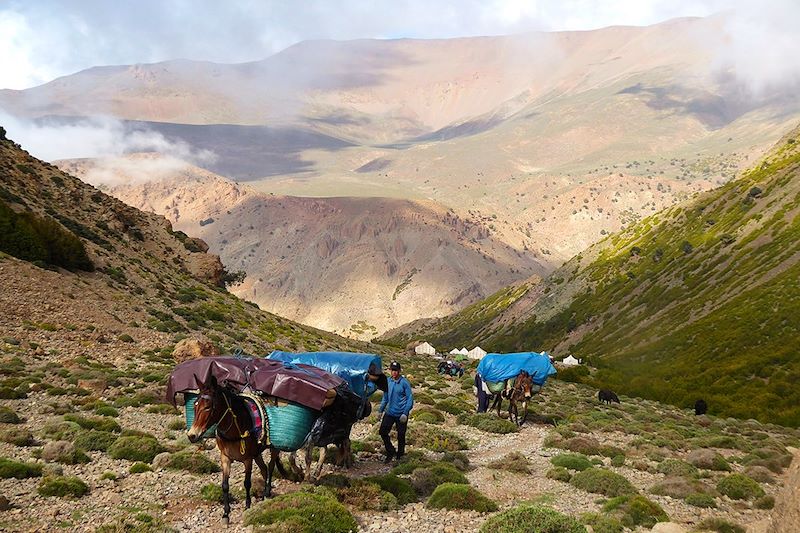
94 137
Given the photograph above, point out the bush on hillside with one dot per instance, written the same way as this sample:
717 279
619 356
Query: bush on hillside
459 496
698 499
720 525
601 481
62 487
602 523
636 510
559 473
401 488
135 448
425 480
307 512
676 467
572 461
366 496
193 462
426 414
739 487
437 439
140 468
8 416
94 440
18 436
33 238
678 487
457 459
527 518
512 462
15 469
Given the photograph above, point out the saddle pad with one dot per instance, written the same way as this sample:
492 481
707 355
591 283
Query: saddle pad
258 416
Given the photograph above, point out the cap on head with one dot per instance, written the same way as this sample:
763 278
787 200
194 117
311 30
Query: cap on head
394 366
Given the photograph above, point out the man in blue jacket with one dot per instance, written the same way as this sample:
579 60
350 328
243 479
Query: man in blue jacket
397 404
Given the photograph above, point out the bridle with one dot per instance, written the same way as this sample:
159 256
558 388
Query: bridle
234 420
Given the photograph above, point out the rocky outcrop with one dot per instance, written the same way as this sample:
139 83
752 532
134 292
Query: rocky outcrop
194 349
785 517
205 267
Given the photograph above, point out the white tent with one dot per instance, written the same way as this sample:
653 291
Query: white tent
476 353
425 349
570 361
463 351
454 351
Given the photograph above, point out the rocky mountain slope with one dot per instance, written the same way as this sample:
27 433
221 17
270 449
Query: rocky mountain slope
351 265
698 300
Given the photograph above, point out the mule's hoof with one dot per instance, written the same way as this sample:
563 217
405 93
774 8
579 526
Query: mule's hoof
226 521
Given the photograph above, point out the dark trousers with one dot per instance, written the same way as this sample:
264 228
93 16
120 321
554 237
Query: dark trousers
386 426
483 398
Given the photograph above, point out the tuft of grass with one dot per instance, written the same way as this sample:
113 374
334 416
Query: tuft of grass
425 480
601 481
698 499
636 510
193 462
305 511
528 518
740 487
401 488
8 416
512 462
559 473
572 461
139 468
135 448
459 496
437 439
62 487
720 525
17 470
488 422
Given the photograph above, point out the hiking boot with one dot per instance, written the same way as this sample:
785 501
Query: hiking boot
389 458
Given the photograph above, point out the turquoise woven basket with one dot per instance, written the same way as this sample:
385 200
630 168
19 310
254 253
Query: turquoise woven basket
289 425
189 398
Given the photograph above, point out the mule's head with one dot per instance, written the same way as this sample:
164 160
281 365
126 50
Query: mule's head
207 409
525 384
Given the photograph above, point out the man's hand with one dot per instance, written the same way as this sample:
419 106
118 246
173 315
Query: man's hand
403 418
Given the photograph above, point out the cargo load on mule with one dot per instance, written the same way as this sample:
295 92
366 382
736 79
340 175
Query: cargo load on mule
284 399
364 375
516 376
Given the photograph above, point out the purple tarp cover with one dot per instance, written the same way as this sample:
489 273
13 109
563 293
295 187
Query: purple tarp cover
303 384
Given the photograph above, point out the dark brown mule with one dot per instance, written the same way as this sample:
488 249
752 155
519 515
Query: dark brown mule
234 438
521 392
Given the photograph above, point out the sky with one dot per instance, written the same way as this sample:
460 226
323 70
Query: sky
41 40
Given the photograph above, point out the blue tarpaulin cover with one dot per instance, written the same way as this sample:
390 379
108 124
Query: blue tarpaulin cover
351 367
502 366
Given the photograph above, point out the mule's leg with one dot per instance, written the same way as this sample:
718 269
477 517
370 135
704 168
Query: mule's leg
323 451
309 457
297 472
524 412
248 471
262 466
279 464
226 500
512 411
274 456
344 454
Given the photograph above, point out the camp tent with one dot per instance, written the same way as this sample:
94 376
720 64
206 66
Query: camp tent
570 361
425 349
476 353
454 351
463 351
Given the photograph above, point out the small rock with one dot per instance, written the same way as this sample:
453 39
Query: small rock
161 461
193 349
668 527
52 451
5 504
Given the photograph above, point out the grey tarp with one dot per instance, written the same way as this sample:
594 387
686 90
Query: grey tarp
303 384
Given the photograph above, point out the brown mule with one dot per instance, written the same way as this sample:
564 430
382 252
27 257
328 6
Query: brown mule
521 392
234 439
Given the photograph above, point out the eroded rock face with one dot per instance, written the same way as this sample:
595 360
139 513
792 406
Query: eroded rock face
206 267
194 349
785 517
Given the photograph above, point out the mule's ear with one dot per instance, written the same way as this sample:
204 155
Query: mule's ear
212 382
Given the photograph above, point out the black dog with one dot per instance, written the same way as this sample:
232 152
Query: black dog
700 407
607 396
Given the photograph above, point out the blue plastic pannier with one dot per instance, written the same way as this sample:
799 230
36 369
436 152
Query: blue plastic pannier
351 367
501 366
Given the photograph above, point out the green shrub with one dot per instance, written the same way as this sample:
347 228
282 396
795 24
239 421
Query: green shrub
334 481
57 429
584 445
94 440
135 448
410 462
764 502
676 467
488 422
699 499
601 481
309 512
437 439
459 496
572 461
739 487
62 486
109 475
106 410
719 525
530 518
636 510
195 463
399 487
453 406
425 480
17 436
602 523
618 460
512 462
98 423
15 469
457 459
559 473
8 416
139 468
426 414
678 487
211 492
366 496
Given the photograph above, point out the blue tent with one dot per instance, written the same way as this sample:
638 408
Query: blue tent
496 367
352 367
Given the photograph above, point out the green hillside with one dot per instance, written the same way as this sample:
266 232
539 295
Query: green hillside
701 300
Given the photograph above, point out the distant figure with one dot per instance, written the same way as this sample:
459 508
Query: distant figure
700 407
607 396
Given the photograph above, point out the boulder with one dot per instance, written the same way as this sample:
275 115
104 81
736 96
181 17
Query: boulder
194 349
53 451
96 386
161 461
205 267
668 527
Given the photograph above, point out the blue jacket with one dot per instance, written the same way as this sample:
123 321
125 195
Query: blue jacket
398 400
